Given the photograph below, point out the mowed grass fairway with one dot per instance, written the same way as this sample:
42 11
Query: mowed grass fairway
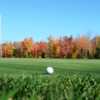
18 66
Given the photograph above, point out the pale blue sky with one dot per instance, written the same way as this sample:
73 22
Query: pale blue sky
41 18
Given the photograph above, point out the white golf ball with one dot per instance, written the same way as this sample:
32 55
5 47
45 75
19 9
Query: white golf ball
50 70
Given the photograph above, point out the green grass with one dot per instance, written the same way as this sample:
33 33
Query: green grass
60 87
72 79
17 66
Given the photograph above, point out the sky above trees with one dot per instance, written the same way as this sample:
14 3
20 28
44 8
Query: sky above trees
41 18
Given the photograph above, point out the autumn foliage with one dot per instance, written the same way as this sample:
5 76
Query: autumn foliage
63 47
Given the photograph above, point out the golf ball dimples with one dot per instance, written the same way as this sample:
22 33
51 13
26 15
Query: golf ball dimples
50 70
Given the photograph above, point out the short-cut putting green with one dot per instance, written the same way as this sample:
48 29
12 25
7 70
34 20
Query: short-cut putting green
18 66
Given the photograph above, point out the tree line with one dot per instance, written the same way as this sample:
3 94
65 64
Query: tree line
62 47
